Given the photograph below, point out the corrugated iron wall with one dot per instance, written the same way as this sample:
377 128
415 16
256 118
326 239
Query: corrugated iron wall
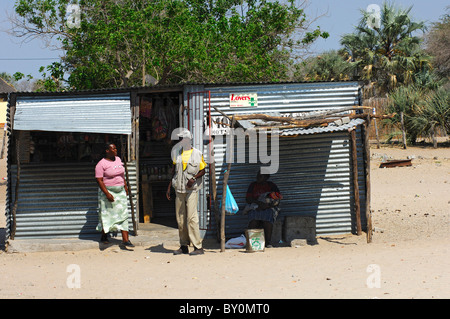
314 176
58 200
8 184
196 100
289 97
315 171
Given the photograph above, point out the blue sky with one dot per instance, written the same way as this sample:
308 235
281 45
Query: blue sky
336 17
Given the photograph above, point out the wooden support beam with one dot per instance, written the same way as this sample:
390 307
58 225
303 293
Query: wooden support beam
355 181
365 130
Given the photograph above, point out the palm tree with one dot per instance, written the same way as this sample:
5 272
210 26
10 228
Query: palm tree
405 102
434 114
389 54
327 66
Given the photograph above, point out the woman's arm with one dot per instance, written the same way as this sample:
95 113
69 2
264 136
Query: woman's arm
126 187
104 190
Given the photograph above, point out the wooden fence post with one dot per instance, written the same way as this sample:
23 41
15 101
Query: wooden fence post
355 181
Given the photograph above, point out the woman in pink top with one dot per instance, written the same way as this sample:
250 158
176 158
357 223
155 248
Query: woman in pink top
112 196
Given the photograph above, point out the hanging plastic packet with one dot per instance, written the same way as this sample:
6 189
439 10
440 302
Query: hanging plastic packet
231 207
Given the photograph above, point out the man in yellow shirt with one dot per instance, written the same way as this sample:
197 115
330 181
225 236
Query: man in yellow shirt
186 155
189 167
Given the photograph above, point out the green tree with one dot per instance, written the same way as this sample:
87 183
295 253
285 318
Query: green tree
328 66
406 101
437 45
127 42
388 54
424 111
434 114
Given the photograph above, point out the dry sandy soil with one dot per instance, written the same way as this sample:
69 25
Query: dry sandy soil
408 258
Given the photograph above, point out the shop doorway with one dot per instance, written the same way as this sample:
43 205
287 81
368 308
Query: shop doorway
159 115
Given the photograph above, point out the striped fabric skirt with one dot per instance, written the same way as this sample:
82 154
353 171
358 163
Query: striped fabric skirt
113 216
268 215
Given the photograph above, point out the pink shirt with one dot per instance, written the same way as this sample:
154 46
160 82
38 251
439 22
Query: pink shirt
113 173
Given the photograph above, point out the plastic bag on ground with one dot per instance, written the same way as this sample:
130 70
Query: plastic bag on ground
238 242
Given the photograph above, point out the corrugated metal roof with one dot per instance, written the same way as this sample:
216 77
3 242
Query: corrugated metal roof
177 86
332 127
108 113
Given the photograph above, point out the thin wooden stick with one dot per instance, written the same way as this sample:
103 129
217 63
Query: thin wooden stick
293 123
355 181
402 122
365 130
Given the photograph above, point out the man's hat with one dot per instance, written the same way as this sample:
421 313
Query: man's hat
185 134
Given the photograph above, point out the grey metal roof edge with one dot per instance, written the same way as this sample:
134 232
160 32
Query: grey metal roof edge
179 86
75 92
274 82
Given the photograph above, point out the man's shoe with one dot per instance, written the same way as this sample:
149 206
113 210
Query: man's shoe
181 250
196 251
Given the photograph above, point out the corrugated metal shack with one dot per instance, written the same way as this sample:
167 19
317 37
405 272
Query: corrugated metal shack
315 171
54 136
55 141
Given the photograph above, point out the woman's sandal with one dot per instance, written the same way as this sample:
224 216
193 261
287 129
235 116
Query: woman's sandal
104 239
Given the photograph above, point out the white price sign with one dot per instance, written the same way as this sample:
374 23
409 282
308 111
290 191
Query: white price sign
220 125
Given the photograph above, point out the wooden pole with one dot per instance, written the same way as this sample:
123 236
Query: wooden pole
433 136
286 122
328 113
402 122
212 176
376 132
222 217
355 181
366 131
224 196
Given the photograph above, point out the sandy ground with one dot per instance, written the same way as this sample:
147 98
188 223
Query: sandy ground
408 258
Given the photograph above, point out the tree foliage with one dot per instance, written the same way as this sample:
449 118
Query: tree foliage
327 66
388 54
134 42
438 45
424 110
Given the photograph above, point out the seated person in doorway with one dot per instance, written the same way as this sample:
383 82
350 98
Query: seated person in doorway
263 198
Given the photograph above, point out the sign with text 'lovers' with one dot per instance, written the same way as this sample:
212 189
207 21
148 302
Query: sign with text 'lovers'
243 100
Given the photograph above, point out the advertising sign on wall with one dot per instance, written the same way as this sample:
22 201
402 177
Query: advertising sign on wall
243 100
